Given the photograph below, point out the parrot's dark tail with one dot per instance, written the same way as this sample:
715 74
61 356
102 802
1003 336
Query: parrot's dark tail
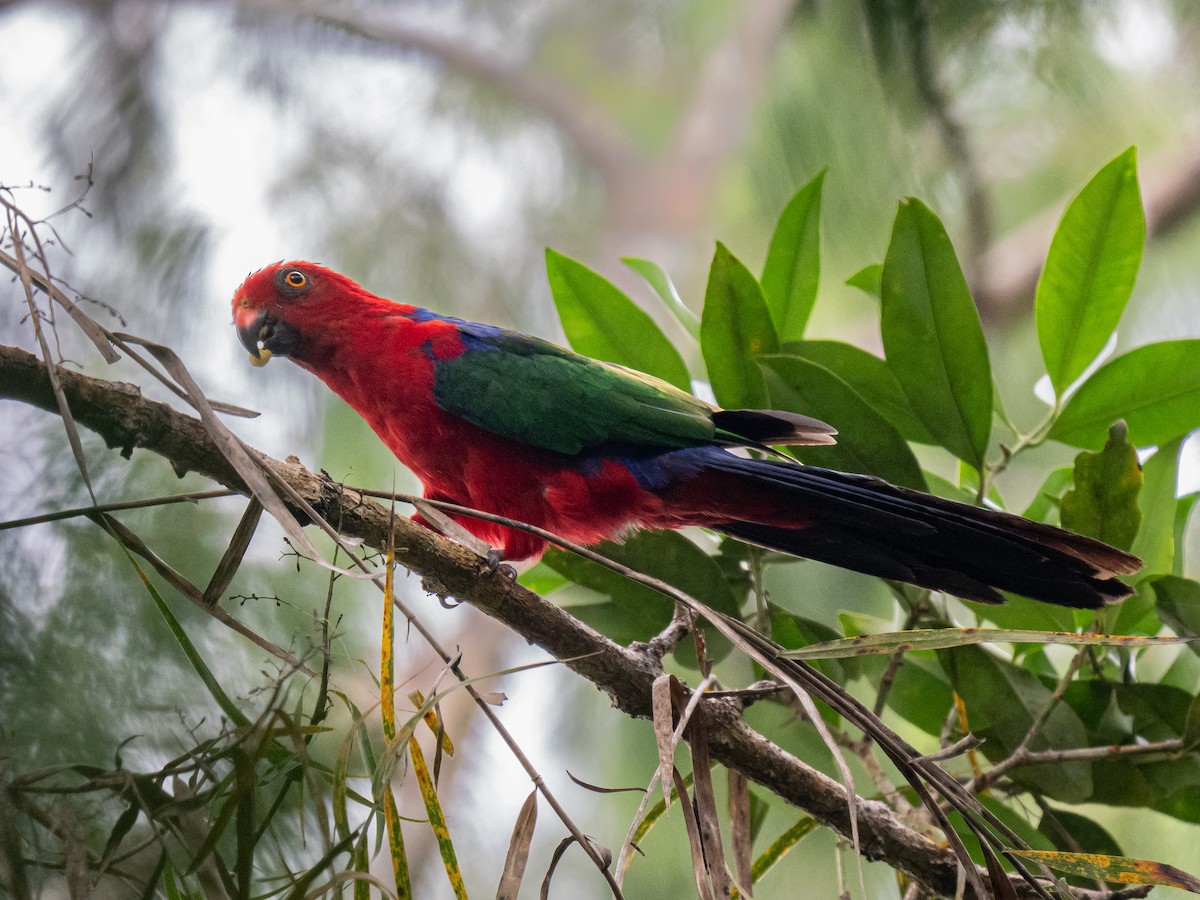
865 524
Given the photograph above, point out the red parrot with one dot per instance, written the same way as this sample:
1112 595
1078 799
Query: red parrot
513 425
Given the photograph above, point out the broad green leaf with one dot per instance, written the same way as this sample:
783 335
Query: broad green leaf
1155 541
1002 701
921 694
636 612
601 322
735 329
795 632
1178 603
792 271
1191 728
866 441
541 579
932 336
1090 270
1183 514
1067 830
1045 504
870 377
1155 389
1119 714
1104 502
659 279
1119 869
868 279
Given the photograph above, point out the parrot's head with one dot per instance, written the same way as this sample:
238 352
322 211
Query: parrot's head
277 307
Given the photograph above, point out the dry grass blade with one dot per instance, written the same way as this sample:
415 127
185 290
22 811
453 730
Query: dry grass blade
231 560
95 332
452 529
597 789
700 869
1002 887
639 826
518 850
706 810
739 830
597 851
230 446
64 409
943 638
664 728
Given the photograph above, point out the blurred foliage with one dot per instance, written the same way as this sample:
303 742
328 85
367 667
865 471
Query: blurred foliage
222 137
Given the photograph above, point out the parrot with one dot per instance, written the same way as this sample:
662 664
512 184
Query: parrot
513 425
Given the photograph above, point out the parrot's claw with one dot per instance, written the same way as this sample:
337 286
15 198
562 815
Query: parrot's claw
496 564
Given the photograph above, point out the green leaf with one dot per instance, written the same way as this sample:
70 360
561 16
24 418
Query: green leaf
932 336
867 442
1178 604
735 329
1068 831
795 632
1183 514
921 694
636 612
1155 388
1119 869
781 846
1155 541
601 322
868 279
1002 701
658 278
792 271
1045 504
1090 270
870 377
1104 502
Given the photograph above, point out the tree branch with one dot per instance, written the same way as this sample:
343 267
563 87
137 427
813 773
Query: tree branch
596 137
127 420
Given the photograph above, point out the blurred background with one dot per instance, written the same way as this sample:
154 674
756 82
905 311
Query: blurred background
432 151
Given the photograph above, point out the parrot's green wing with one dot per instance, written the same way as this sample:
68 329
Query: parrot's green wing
537 393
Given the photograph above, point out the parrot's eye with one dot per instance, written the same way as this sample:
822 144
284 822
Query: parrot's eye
291 282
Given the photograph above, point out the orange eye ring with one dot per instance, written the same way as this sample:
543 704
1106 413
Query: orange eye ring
295 279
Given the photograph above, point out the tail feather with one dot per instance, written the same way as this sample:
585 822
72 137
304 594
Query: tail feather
771 426
862 523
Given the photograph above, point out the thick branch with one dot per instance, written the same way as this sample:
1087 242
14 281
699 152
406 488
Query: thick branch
126 419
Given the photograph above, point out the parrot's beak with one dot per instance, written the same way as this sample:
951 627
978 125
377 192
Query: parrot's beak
265 336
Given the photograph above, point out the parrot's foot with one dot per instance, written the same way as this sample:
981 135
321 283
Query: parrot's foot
497 565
